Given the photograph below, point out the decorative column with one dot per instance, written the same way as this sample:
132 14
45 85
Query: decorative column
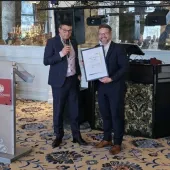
0 22
8 17
114 23
51 20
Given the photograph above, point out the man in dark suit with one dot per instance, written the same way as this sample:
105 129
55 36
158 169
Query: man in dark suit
111 91
61 54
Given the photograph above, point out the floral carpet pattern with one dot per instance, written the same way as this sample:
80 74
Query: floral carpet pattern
34 129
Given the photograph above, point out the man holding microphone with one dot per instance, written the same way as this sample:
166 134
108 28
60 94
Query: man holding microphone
61 54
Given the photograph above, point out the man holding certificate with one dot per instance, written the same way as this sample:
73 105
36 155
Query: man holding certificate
111 90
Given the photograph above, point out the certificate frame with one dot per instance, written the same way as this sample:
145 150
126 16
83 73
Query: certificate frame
94 63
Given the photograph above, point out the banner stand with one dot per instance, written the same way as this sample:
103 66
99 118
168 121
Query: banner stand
9 152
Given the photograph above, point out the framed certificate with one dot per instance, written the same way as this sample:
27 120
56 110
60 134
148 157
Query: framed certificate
94 63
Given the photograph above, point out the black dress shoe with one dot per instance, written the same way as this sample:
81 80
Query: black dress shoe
56 142
80 141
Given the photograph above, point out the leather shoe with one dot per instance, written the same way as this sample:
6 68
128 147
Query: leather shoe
80 141
103 143
56 142
115 149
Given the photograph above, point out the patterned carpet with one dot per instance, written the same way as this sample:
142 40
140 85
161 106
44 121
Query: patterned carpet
34 129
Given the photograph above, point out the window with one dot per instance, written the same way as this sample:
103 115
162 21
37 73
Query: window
27 15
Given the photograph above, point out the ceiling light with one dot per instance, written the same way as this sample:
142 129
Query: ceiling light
34 2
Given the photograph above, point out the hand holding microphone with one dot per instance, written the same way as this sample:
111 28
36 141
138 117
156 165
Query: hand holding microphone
67 42
66 50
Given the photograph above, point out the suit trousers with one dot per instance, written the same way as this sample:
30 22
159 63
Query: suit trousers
111 107
67 93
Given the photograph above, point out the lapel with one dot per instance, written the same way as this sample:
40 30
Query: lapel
110 50
59 44
74 46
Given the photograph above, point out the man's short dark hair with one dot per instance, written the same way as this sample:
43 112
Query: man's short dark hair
105 26
65 22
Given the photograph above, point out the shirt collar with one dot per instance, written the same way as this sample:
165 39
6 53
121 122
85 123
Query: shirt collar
108 44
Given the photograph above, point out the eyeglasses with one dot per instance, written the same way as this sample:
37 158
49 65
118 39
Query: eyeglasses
106 33
65 31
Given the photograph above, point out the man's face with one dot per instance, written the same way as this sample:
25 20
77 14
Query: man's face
65 32
105 35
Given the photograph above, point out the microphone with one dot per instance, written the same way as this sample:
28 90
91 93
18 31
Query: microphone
67 43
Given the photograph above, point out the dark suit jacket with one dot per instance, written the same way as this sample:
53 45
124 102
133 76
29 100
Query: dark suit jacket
117 63
58 65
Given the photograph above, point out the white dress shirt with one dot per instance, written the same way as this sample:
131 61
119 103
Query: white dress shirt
71 69
106 47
